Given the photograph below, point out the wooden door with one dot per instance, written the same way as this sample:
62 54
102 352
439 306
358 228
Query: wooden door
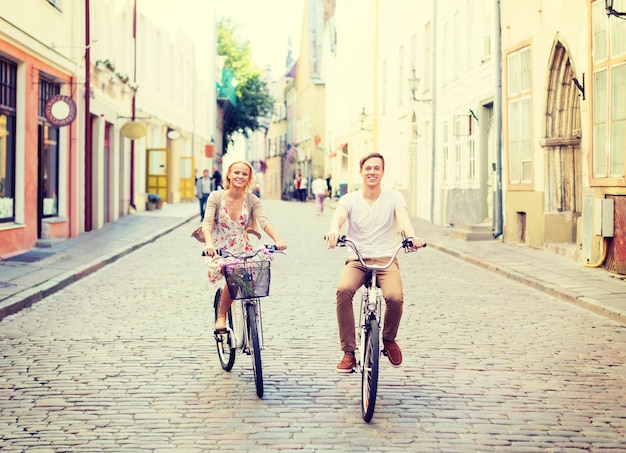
157 178
616 255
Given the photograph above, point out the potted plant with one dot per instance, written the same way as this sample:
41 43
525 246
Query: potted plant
109 64
154 202
122 76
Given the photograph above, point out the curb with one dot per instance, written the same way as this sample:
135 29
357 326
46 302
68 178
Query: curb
559 293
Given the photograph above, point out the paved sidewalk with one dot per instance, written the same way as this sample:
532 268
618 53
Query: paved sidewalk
28 278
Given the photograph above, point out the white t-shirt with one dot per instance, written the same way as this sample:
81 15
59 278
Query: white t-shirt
373 227
318 186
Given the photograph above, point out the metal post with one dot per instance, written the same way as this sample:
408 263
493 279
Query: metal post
433 114
497 123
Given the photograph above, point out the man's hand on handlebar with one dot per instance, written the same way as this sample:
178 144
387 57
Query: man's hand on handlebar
412 244
331 239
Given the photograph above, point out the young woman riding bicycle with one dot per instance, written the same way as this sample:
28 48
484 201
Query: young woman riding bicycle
230 215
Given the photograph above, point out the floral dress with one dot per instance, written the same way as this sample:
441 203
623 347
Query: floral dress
228 234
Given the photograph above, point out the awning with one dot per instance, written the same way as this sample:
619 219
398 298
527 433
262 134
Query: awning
337 150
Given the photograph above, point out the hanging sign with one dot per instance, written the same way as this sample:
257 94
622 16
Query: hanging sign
134 130
60 110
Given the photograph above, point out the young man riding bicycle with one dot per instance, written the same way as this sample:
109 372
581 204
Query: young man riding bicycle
374 218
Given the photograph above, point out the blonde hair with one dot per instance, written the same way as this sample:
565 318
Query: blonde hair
250 180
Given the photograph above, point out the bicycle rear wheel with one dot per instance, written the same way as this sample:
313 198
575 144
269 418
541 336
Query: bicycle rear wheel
255 348
369 371
225 348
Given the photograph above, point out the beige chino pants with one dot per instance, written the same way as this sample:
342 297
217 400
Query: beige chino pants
351 279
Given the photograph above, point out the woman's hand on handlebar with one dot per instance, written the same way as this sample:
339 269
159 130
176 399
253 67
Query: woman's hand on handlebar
209 250
281 245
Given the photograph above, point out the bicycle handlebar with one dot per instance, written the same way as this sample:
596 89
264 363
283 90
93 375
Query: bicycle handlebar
343 241
227 253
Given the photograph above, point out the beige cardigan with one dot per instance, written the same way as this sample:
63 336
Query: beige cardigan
256 218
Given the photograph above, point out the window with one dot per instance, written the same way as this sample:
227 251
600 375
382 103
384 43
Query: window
383 76
446 154
609 92
427 57
519 117
487 27
457 163
471 168
8 81
49 152
401 76
456 49
468 47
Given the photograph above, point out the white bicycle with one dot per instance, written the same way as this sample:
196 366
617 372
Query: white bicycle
369 327
248 280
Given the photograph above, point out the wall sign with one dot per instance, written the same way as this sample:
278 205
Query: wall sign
60 110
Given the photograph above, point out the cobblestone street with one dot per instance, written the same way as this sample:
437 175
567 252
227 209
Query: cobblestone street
124 361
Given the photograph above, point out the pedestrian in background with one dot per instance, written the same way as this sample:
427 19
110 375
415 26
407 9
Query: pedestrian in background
203 189
230 215
329 188
301 187
318 187
217 179
374 218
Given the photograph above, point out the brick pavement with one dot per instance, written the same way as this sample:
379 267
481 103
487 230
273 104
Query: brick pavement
124 361
22 283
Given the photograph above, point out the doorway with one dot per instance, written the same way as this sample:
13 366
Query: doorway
156 176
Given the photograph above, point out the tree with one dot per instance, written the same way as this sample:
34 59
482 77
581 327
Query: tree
254 101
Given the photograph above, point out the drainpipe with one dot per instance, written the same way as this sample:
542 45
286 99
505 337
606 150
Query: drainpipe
88 144
497 123
133 111
376 56
433 115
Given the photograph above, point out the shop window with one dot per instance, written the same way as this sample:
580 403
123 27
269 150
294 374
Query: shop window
49 153
8 81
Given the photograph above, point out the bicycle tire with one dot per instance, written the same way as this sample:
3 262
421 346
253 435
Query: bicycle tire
255 349
369 371
225 350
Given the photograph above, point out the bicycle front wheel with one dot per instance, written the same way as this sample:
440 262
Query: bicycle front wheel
369 371
255 348
225 342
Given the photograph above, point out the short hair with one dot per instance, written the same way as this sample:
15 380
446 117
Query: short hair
250 181
370 156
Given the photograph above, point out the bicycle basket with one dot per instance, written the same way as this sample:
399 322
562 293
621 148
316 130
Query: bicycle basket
248 279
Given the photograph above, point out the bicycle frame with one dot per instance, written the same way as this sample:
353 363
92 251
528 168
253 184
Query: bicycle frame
371 307
240 324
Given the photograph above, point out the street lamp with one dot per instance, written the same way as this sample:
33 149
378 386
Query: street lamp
414 82
608 5
363 117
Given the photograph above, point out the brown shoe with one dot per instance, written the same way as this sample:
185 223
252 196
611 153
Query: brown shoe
393 353
347 364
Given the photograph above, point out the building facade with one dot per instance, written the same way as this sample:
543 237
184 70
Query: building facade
100 105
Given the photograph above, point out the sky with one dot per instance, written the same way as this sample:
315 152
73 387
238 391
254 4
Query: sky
267 24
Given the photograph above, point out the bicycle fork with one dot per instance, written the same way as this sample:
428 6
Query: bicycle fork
247 321
371 301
